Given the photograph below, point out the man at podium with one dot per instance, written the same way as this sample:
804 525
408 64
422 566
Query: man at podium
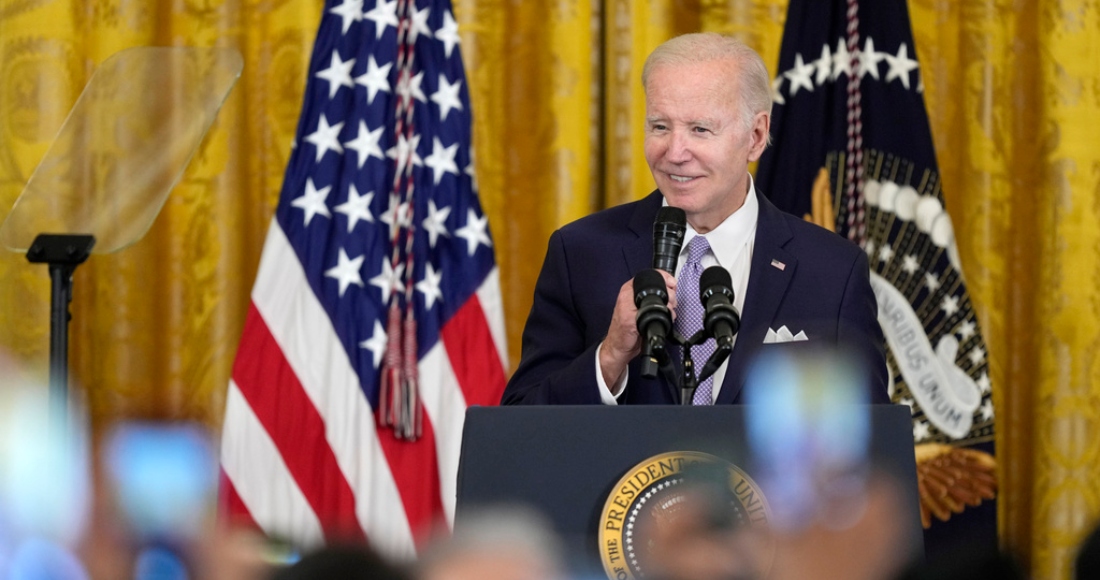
788 284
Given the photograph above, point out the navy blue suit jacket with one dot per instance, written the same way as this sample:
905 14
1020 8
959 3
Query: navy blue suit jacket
823 289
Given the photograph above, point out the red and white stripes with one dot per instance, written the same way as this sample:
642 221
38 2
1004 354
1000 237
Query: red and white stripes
302 455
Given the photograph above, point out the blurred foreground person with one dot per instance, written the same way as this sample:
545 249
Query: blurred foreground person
976 562
1087 563
701 538
497 544
834 515
347 562
865 547
696 534
135 507
45 478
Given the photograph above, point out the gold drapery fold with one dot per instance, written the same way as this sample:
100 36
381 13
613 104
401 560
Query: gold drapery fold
1011 89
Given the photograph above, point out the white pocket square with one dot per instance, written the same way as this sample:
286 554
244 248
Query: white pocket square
784 335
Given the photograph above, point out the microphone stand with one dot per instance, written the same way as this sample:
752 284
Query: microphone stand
688 381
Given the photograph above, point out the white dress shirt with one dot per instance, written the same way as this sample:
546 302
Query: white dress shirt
731 245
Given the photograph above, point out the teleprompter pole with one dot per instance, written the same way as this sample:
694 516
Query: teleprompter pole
63 253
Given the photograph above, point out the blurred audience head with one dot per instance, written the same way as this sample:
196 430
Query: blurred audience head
495 544
341 562
1087 563
969 563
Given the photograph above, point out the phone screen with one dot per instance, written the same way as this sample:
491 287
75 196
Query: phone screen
808 423
164 478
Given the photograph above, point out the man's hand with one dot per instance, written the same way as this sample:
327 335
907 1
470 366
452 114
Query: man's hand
623 342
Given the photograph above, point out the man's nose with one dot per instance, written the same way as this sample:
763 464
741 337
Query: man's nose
679 149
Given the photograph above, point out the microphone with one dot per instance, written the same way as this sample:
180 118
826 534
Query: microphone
668 238
654 319
721 319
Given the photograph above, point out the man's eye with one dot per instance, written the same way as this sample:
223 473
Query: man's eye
701 130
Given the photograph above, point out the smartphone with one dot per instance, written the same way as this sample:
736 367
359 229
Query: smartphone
164 478
808 424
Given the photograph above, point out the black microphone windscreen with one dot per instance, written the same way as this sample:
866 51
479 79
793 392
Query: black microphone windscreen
668 237
648 281
716 295
671 215
714 276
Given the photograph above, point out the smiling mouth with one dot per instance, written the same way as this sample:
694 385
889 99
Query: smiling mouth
680 178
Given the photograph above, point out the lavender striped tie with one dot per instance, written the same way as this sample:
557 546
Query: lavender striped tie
689 313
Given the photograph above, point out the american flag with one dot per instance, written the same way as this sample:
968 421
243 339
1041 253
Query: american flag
376 315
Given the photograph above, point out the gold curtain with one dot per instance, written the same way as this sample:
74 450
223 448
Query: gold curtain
1012 89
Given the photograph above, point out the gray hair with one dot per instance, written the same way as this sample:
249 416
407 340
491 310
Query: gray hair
754 83
493 532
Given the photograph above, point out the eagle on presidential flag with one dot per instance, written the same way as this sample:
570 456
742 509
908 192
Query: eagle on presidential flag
853 152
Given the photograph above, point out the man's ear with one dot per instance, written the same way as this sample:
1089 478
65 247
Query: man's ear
758 136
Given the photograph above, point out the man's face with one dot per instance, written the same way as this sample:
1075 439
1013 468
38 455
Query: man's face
696 144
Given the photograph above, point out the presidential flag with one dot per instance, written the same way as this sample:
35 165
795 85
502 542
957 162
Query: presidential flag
376 316
853 152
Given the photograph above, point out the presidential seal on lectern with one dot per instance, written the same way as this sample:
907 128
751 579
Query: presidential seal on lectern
664 495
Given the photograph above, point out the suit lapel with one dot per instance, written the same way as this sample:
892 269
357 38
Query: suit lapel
769 275
638 252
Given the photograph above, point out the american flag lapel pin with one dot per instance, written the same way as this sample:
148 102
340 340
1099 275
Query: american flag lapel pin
778 265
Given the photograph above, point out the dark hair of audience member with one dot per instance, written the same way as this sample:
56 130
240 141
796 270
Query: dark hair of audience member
1087 563
348 562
